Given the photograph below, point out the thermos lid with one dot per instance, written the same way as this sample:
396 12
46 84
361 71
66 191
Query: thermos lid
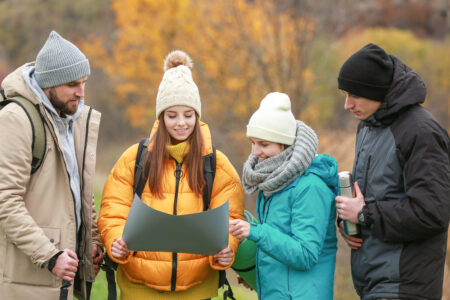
345 178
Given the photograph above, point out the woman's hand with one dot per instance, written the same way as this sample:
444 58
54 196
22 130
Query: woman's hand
224 257
239 228
119 249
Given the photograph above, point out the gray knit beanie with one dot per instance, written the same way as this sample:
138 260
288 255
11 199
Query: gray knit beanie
60 62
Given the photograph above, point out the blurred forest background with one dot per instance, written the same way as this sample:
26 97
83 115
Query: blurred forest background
242 50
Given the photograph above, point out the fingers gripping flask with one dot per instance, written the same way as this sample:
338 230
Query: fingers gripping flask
346 183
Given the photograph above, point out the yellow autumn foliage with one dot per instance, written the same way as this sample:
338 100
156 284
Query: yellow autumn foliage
241 50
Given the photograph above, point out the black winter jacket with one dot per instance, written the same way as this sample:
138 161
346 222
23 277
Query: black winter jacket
402 167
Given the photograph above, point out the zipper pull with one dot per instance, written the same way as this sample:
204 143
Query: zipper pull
178 172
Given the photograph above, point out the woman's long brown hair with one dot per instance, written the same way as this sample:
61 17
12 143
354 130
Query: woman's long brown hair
154 163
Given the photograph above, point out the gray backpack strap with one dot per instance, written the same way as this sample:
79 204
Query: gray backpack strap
39 144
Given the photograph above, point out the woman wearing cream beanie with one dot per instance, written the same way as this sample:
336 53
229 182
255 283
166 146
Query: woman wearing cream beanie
178 142
177 86
296 233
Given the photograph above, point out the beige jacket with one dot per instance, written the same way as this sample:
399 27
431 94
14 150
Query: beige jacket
37 212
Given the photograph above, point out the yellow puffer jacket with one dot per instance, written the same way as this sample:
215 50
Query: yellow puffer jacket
154 269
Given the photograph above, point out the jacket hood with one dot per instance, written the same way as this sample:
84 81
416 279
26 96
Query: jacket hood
22 82
206 134
325 167
15 85
407 89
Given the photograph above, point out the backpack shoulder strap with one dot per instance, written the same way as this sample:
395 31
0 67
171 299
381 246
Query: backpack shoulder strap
139 179
110 266
37 125
209 172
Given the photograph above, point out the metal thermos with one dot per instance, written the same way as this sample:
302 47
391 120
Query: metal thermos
346 182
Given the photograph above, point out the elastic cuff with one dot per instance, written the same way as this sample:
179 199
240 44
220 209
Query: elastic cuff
254 232
368 220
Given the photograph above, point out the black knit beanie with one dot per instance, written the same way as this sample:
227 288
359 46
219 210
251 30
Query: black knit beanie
367 73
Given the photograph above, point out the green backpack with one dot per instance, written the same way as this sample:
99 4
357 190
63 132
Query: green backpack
37 124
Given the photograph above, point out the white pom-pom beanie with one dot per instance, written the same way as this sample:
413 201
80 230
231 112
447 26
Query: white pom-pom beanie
273 121
177 86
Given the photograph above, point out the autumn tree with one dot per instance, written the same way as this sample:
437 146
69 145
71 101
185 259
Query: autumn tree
241 49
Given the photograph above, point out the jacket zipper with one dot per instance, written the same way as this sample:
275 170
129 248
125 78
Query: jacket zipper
258 213
258 272
289 288
359 150
268 202
82 181
173 284
55 137
366 175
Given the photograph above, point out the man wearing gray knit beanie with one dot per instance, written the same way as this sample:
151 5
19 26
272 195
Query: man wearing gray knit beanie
401 173
47 215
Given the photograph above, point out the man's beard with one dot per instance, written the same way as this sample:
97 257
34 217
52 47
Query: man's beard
65 108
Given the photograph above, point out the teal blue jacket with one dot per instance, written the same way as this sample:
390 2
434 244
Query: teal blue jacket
296 236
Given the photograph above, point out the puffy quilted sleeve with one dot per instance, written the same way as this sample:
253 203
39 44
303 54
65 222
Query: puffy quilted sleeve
227 186
117 199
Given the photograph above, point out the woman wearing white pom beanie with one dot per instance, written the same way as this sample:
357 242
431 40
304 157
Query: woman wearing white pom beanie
296 233
178 143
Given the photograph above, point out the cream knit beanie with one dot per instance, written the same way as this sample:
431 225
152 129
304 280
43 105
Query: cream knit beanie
177 86
273 121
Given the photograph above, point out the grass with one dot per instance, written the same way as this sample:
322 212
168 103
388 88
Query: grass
100 290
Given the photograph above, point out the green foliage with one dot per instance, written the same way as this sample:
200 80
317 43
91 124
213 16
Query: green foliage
425 56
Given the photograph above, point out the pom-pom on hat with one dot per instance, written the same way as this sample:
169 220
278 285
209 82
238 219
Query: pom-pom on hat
59 62
367 73
177 86
273 121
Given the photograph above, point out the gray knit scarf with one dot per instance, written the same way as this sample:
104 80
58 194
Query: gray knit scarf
275 173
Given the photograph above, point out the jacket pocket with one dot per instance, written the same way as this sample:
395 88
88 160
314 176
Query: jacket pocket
20 270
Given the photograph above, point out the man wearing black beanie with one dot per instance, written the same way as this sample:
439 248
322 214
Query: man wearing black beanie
402 184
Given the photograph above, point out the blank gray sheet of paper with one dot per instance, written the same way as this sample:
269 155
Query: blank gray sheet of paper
147 229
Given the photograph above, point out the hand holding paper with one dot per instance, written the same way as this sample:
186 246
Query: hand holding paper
224 257
239 228
119 249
